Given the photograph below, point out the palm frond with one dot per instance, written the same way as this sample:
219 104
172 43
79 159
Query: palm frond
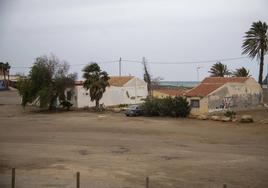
241 72
255 44
219 70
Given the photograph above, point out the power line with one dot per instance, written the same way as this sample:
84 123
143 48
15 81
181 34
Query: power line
187 62
101 62
155 62
197 62
71 65
132 61
19 67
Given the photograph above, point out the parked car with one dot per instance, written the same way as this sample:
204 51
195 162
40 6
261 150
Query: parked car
133 110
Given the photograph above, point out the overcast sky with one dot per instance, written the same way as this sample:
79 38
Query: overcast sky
82 31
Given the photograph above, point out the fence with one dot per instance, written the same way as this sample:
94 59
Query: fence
13 180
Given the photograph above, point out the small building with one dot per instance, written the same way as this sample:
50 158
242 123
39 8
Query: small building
169 92
220 93
122 90
3 81
8 80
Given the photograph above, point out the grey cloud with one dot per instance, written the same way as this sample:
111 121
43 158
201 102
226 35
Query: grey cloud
171 30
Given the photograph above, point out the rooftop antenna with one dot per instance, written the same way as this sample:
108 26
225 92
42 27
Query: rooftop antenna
120 60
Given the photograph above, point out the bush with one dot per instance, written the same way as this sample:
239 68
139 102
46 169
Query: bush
230 113
174 107
150 107
181 107
122 105
66 105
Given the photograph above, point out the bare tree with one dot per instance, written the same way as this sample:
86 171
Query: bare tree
147 77
156 82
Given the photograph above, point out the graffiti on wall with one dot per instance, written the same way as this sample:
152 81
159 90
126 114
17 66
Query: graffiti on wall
235 102
226 102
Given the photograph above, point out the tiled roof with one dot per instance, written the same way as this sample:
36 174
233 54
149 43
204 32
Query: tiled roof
118 81
203 90
223 80
210 84
172 92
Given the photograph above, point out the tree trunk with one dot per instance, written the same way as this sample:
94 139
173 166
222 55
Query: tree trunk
5 81
261 67
97 104
8 79
52 105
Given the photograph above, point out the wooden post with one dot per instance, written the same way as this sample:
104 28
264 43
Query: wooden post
78 180
13 178
224 186
147 182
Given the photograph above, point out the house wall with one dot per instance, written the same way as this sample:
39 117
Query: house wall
11 77
131 93
203 105
159 95
236 96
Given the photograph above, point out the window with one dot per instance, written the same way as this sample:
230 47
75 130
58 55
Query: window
195 103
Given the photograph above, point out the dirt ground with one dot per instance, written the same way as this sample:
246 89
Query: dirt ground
111 150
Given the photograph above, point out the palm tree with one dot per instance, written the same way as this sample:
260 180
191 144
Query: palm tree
96 82
219 70
5 67
241 72
1 68
2 73
255 44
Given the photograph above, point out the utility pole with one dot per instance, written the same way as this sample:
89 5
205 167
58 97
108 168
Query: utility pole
143 60
120 60
267 79
197 71
267 84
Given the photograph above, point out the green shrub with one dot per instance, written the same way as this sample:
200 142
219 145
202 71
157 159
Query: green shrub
122 105
230 113
150 107
181 107
66 105
174 107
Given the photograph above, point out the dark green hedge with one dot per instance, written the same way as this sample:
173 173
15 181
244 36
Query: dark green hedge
174 107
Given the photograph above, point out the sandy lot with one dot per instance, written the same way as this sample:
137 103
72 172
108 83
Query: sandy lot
111 150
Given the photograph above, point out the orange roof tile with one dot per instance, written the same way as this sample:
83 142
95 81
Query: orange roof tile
203 90
118 81
210 84
223 80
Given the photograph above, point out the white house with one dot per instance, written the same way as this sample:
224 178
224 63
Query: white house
122 90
